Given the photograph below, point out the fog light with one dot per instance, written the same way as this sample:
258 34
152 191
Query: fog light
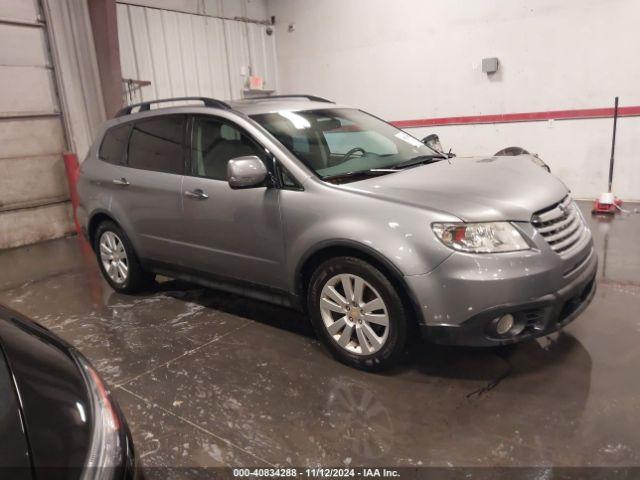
504 324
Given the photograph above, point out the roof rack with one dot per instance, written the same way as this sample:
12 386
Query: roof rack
312 98
146 106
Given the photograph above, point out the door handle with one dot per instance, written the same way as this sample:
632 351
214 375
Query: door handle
197 194
122 181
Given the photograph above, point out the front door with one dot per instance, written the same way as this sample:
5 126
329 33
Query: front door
235 234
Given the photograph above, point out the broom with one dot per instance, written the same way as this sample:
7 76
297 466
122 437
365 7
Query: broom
607 202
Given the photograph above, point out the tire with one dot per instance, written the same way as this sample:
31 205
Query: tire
135 278
389 343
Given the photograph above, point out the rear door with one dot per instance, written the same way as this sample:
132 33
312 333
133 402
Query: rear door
147 188
229 233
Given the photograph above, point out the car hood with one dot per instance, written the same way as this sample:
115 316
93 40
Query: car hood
472 189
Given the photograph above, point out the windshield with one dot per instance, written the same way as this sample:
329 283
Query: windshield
344 142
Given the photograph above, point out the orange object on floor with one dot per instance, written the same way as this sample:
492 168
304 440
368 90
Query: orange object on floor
607 207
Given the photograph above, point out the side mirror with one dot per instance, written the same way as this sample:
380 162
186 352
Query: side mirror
246 172
433 141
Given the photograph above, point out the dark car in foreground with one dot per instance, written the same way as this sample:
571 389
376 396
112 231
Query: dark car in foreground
57 418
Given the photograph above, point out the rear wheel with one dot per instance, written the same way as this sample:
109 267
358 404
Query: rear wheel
357 313
118 261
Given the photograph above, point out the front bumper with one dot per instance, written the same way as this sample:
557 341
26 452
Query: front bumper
541 316
461 300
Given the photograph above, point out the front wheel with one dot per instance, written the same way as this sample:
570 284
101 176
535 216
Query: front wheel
357 313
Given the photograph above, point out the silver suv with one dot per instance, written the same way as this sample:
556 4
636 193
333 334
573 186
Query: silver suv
305 203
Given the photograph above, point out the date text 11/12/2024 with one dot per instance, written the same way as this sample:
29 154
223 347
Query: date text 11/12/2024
316 472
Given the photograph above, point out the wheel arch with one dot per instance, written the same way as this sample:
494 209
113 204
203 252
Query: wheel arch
348 248
96 219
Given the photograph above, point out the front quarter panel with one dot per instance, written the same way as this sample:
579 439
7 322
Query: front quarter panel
325 215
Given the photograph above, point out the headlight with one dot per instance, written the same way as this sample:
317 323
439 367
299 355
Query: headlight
487 237
105 450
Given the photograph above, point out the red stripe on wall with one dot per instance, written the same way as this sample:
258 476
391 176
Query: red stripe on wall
520 117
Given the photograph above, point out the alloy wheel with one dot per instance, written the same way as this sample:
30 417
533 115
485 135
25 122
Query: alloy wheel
114 257
354 314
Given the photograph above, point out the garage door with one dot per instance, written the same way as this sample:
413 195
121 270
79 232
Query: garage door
33 190
183 54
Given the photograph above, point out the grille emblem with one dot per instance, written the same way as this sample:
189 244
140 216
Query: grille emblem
564 209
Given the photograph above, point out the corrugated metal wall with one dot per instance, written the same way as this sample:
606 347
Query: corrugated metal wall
33 188
185 54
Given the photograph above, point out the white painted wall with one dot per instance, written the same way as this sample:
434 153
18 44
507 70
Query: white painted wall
411 59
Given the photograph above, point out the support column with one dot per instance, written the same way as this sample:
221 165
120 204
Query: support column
104 24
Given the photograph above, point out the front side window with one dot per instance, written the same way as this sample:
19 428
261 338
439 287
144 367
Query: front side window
214 143
336 142
157 144
288 181
114 144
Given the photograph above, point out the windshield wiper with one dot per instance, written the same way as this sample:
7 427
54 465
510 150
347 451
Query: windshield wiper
350 175
420 160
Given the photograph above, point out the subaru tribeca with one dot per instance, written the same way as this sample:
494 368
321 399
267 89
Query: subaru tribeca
305 203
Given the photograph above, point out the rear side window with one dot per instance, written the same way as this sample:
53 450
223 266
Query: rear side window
114 144
157 144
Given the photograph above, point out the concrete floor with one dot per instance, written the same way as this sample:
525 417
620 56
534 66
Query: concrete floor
210 379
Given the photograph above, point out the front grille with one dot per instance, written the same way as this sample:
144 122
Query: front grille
561 225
